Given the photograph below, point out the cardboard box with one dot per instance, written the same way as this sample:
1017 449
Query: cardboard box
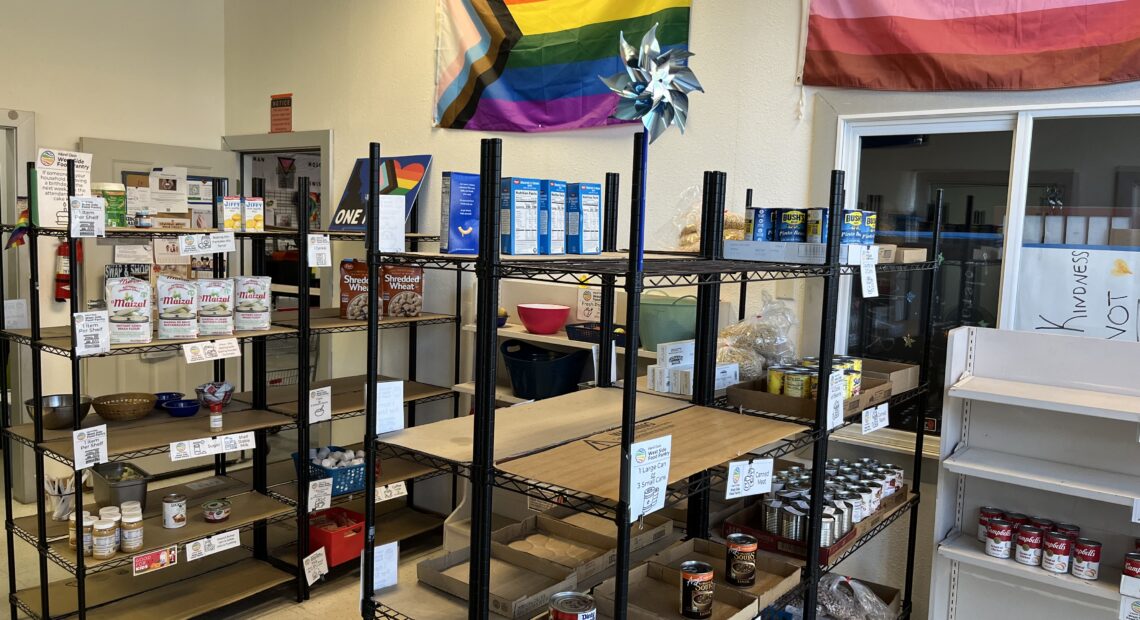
646 531
719 508
459 213
902 377
754 395
585 552
775 575
519 216
253 214
231 213
583 218
676 354
891 596
887 252
1124 236
551 217
654 593
521 584
910 255
781 252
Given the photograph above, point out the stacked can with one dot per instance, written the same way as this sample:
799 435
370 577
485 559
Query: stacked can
802 380
1036 541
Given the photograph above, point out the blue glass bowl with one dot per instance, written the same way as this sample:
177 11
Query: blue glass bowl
181 408
162 398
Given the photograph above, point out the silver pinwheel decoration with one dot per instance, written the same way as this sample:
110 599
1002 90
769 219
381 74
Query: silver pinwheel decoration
655 87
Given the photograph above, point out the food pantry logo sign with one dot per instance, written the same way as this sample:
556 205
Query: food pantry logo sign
1078 291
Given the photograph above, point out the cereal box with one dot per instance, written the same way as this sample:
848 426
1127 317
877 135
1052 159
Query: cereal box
459 214
177 302
251 311
128 304
253 214
215 307
583 218
519 216
353 289
552 217
402 290
231 213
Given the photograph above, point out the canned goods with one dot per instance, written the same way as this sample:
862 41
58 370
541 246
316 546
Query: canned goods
866 496
1132 564
852 383
797 384
740 560
876 494
776 379
1086 559
173 511
999 537
856 362
867 228
1068 529
573 606
792 523
985 513
1017 519
770 508
697 589
1058 552
760 224
1046 525
1028 548
817 222
867 461
809 360
827 535
850 227
855 504
791 225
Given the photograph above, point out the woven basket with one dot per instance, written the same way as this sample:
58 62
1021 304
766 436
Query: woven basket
125 406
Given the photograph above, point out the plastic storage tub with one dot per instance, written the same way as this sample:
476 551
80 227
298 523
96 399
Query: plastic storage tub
112 490
667 319
592 332
538 373
342 544
345 479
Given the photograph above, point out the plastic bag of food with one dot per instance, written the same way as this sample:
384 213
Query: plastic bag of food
752 364
844 598
686 223
770 335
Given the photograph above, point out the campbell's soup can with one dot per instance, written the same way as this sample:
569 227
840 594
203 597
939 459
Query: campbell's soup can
791 225
985 513
817 225
850 227
740 560
1017 519
1057 552
1132 564
1068 529
999 538
697 588
573 606
1027 546
1041 522
1086 559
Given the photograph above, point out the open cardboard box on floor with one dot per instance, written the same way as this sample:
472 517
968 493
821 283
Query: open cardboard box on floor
775 574
891 596
585 552
521 584
655 593
646 531
719 508
754 395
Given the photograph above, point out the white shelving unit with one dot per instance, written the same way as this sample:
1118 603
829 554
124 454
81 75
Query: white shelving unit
1044 425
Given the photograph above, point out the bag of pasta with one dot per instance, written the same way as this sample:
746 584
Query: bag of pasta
771 334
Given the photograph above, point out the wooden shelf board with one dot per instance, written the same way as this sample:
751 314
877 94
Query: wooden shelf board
348 398
395 521
1089 402
151 421
967 550
530 427
60 337
888 439
702 438
503 393
518 332
1072 480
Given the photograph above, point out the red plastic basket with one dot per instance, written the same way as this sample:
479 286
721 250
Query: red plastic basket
343 544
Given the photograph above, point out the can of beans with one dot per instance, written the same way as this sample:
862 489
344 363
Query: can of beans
791 225
867 228
817 222
1046 525
1086 559
758 225
849 228
573 606
776 379
1027 549
1057 552
999 538
697 589
740 560
1068 529
797 383
1132 564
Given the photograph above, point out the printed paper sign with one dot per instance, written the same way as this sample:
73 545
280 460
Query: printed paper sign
538 505
391 491
154 560
320 251
206 243
51 184
867 275
835 399
875 418
92 333
389 406
1136 511
748 478
236 442
89 446
649 475
212 544
16 314
390 224
209 351
194 448
385 565
320 405
1130 586
320 494
589 304
89 217
315 565
1129 607
134 252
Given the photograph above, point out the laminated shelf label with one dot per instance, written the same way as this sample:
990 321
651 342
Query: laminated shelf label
876 418
649 475
391 491
835 399
1136 511
1129 608
212 544
320 251
389 406
92 333
316 564
206 243
88 217
589 307
390 224
16 314
320 494
867 276
151 561
751 477
90 446
320 404
196 352
386 566
209 446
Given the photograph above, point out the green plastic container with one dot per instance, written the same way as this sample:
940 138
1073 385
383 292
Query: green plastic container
667 319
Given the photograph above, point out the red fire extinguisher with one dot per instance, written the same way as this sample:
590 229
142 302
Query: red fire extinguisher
63 270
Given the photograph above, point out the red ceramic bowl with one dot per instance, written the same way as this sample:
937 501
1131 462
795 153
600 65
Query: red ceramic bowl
543 318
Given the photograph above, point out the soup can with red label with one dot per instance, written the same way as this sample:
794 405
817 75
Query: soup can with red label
985 513
572 606
1058 552
1086 559
1027 549
999 538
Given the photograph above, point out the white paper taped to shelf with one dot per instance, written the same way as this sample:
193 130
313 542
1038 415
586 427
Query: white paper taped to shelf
876 418
320 494
867 275
390 224
320 251
92 333
195 352
389 406
320 404
89 217
212 544
89 446
649 475
539 505
1130 586
16 314
137 253
1079 292
206 243
748 478
589 307
385 565
391 491
209 446
835 399
237 441
316 564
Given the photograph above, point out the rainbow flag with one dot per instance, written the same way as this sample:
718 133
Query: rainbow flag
533 65
928 45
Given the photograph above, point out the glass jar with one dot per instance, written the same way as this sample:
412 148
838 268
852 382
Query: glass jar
131 532
103 539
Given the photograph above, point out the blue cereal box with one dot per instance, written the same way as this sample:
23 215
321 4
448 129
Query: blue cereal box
459 214
584 218
519 216
552 217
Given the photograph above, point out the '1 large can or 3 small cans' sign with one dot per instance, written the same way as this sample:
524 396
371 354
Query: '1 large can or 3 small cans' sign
1058 552
999 538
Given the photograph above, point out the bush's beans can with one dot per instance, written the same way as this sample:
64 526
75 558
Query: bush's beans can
1068 529
999 538
791 225
1027 547
1132 564
572 606
740 560
867 228
849 228
1086 559
817 222
1057 552
696 589
1041 522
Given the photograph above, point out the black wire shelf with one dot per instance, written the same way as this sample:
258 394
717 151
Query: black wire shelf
383 611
